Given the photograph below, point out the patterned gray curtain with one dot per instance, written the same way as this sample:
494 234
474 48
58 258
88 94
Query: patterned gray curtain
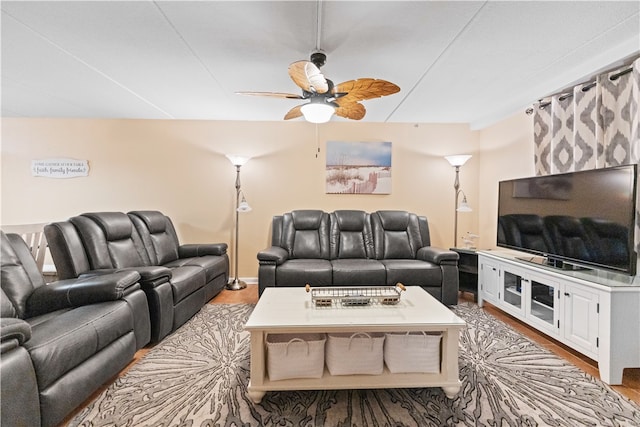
595 125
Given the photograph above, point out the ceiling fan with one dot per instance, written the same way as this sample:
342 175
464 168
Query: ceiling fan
325 98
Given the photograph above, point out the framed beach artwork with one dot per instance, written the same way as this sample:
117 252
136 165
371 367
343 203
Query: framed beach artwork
358 167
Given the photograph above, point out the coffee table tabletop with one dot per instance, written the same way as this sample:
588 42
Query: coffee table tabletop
290 310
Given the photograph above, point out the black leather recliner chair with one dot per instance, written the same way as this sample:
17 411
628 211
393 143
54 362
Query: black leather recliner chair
61 341
351 247
178 279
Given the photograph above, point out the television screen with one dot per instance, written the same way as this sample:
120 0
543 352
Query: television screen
583 218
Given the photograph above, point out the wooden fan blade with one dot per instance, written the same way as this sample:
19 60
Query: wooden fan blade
294 113
272 94
306 75
351 110
361 89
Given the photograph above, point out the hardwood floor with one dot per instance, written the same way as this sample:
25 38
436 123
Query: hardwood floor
630 382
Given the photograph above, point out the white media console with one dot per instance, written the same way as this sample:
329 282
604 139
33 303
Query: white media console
594 312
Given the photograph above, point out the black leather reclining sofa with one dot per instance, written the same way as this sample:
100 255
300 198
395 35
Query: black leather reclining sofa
352 247
177 279
61 341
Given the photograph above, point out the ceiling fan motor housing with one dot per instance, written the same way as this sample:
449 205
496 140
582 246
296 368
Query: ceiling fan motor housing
318 58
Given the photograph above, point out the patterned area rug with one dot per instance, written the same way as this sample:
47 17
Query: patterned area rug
198 377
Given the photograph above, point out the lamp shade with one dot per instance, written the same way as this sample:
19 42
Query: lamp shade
237 160
458 160
315 112
243 206
463 206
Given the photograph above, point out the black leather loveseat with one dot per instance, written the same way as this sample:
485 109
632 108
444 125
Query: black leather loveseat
352 247
178 279
61 341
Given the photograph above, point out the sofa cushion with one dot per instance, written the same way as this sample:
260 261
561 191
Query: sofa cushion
109 240
398 234
412 272
213 266
63 340
350 235
358 272
155 221
114 225
299 272
19 276
185 281
157 234
306 234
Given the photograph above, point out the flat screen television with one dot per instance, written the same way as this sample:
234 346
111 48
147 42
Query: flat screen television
574 220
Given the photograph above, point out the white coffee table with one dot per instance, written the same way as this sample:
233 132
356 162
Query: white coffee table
290 310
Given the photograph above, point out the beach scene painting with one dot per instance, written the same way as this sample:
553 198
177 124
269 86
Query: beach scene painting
358 167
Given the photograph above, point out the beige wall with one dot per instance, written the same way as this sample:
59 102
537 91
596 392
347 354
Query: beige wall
506 152
179 168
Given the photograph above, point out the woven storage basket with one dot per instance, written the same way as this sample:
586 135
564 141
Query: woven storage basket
359 353
412 352
295 356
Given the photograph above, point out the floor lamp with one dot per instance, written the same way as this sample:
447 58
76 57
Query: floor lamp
241 206
457 161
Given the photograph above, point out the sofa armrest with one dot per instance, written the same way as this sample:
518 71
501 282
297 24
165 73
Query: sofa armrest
13 333
273 255
437 255
194 250
81 291
150 276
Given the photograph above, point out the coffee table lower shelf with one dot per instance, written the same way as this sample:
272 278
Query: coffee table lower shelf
447 378
340 382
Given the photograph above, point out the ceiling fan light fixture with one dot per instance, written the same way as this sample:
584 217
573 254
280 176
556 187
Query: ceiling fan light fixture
315 112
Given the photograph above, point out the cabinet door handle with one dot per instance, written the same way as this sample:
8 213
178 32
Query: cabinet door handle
567 294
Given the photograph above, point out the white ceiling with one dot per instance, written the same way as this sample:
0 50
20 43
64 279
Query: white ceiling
455 61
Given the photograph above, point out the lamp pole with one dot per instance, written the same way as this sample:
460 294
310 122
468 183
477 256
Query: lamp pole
456 161
237 284
456 187
237 161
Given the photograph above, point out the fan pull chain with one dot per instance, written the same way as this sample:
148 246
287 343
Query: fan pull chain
317 141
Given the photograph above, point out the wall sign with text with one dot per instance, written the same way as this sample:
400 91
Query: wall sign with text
60 168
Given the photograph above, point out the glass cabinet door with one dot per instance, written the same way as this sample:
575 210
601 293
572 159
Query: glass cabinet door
512 289
542 301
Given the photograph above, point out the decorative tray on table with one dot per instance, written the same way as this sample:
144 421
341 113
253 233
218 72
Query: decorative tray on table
350 296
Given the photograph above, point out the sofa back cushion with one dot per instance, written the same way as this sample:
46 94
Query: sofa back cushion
351 235
158 235
398 234
66 249
19 275
110 240
305 234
